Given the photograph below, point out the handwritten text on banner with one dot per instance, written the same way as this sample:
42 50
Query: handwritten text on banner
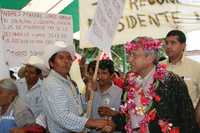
27 33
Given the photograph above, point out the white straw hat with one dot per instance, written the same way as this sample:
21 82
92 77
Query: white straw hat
38 63
58 46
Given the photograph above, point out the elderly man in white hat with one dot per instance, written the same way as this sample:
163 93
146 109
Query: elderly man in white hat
30 86
61 100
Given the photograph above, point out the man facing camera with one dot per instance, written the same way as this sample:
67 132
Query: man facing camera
61 100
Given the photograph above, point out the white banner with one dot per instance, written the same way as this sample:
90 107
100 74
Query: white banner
27 33
105 23
153 18
4 72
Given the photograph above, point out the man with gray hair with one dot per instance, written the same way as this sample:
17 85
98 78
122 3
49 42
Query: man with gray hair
157 100
14 112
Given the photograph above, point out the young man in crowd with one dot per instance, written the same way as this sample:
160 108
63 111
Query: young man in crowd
178 63
107 95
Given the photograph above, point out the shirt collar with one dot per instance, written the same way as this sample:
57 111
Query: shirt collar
108 91
150 74
179 62
36 85
148 78
57 75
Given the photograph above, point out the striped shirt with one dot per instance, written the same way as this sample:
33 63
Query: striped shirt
62 105
31 97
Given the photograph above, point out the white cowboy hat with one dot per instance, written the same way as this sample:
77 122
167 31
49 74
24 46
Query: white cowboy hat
38 63
58 46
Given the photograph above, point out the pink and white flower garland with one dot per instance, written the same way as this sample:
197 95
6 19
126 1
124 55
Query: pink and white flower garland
145 101
146 43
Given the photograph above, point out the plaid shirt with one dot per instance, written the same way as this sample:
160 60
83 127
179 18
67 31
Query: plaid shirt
62 105
31 97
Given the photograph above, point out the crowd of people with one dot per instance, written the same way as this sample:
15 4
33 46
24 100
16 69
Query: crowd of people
152 97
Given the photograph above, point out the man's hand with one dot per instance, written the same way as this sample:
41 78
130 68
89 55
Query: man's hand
18 130
99 124
96 124
90 86
109 128
106 111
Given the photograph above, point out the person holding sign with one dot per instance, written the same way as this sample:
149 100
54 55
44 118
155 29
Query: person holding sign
61 100
158 100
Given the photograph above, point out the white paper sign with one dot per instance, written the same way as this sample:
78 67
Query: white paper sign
153 18
4 72
27 33
105 23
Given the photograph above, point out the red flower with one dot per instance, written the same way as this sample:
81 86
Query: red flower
130 95
128 127
175 130
163 66
152 115
161 70
146 43
165 126
144 100
157 98
143 128
118 82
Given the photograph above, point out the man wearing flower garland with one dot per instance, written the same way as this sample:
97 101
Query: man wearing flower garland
158 100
